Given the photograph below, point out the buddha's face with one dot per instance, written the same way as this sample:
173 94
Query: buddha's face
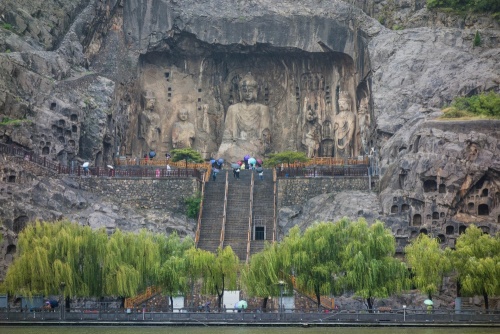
344 105
249 92
183 115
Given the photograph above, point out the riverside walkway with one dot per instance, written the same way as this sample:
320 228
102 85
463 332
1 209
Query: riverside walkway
351 318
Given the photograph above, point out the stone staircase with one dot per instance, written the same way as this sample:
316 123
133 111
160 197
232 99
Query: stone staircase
236 228
213 209
263 211
237 213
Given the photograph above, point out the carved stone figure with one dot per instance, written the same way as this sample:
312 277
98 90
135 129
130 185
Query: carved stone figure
183 132
247 125
344 125
311 134
364 125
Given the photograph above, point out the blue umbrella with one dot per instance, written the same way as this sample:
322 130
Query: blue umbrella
221 161
241 305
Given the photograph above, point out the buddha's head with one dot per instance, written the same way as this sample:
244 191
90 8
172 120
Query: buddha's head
344 101
248 88
183 115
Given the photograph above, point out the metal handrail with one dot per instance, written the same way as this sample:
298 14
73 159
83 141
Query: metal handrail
223 229
250 218
200 213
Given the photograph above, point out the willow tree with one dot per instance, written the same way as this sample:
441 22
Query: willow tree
173 274
476 259
218 271
371 269
317 259
261 275
428 263
50 254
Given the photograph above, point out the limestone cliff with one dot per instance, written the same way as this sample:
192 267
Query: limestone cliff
91 80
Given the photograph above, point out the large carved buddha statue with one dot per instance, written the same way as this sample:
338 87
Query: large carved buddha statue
183 132
247 125
344 125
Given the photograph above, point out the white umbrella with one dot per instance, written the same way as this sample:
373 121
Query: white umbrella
110 167
85 164
428 302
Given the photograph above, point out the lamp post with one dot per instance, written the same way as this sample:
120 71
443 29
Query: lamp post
62 285
281 284
404 313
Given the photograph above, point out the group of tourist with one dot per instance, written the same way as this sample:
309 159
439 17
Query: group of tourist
247 163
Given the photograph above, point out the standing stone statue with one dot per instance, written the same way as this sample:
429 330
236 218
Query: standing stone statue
344 125
183 133
364 125
311 134
247 125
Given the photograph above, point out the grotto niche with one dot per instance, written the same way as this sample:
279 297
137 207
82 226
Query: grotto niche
288 85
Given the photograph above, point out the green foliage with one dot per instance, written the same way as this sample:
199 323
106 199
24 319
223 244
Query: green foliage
91 263
466 5
193 205
186 154
218 271
6 121
476 259
397 27
7 26
483 105
287 157
370 266
477 39
428 262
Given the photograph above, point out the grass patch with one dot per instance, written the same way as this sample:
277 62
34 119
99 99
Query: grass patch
7 26
15 122
482 106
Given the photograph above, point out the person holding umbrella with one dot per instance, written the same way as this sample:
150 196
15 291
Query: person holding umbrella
236 170
260 170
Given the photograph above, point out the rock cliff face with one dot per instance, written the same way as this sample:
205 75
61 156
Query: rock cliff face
91 80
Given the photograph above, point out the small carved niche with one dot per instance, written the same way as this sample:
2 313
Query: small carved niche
484 193
45 150
61 139
470 207
405 207
483 210
441 238
74 128
74 117
498 219
413 234
424 231
428 217
11 179
442 215
435 215
11 249
417 220
442 188
394 209
461 229
53 106
62 122
450 230
430 186
485 229
67 133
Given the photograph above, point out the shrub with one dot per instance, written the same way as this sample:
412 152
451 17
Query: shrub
484 104
7 26
477 39
193 205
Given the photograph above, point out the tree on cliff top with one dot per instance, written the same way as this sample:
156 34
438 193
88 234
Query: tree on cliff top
288 157
186 154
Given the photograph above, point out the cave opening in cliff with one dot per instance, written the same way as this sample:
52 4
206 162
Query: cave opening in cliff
417 220
442 188
461 229
441 238
205 79
430 185
450 230
483 210
394 209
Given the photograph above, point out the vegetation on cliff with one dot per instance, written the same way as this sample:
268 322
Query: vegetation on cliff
466 5
485 105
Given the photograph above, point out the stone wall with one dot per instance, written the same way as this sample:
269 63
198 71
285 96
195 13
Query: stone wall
144 193
295 191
